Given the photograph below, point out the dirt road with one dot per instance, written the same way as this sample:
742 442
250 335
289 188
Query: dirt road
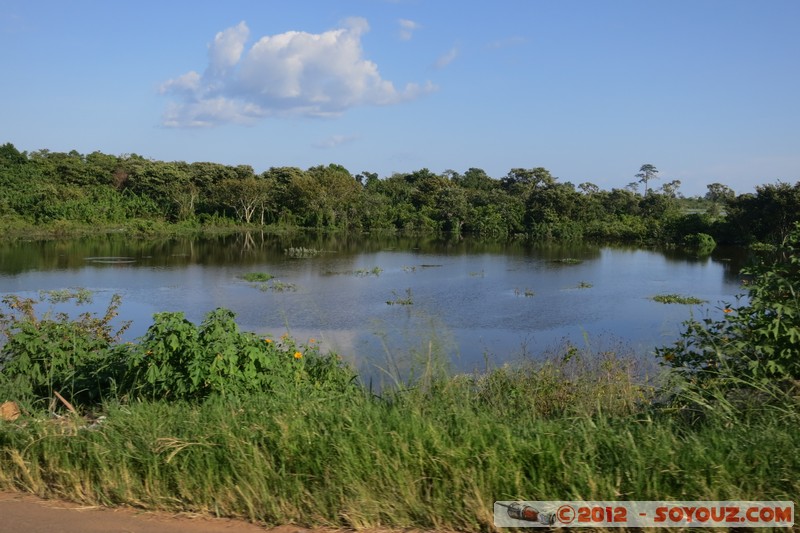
22 513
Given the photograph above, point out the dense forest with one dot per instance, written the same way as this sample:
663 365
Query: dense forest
45 188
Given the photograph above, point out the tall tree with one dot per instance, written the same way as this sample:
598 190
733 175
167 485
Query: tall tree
646 173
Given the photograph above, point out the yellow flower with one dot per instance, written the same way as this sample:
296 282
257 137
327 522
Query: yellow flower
312 340
728 310
298 355
268 341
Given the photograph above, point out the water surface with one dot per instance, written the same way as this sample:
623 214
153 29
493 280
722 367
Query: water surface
473 302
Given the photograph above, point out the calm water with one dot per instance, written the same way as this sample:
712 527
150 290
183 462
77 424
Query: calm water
472 300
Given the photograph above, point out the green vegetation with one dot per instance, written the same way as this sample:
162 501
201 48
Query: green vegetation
363 272
279 286
677 299
254 277
57 194
699 243
206 418
267 282
758 341
585 285
399 300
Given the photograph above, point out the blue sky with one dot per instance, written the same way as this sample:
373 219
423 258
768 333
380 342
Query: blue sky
707 91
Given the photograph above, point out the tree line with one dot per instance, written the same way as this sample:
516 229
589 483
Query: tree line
43 187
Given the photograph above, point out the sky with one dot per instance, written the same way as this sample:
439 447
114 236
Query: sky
705 90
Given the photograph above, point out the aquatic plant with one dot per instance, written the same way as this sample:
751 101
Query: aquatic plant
677 299
398 300
257 277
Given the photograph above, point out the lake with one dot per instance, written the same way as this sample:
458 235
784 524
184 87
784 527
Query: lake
384 301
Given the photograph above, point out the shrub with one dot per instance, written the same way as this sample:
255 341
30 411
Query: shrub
83 360
177 360
699 243
79 358
755 342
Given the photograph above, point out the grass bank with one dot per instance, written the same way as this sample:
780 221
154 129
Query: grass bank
435 454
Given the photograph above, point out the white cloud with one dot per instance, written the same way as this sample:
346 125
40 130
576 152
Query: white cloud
227 48
187 83
292 73
407 28
446 58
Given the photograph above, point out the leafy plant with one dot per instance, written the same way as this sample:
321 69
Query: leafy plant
76 358
178 360
699 243
757 341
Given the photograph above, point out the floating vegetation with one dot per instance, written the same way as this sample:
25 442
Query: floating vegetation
301 252
527 293
408 300
677 299
79 294
363 272
257 276
111 260
569 261
409 269
267 282
585 285
279 286
429 266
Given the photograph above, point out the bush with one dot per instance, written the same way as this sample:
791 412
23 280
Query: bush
755 342
76 358
699 243
83 360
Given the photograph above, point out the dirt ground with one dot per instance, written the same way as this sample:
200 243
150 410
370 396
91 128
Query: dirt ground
26 513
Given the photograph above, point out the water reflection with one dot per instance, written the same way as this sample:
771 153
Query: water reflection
474 301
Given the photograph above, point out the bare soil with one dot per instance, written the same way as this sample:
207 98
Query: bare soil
26 513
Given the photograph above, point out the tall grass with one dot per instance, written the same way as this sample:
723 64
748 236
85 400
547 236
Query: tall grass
435 453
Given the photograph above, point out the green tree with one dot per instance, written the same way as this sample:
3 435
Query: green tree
647 173
719 195
671 189
337 194
9 155
245 196
769 215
